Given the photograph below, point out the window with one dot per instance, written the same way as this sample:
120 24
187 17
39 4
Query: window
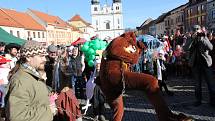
118 21
29 33
188 12
203 19
117 7
182 18
199 20
43 34
18 34
95 9
34 35
38 34
107 25
203 7
191 11
199 9
213 14
171 22
96 22
11 32
165 23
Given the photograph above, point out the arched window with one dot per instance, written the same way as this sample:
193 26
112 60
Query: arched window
108 25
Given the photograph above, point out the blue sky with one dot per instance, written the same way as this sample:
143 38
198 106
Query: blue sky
135 12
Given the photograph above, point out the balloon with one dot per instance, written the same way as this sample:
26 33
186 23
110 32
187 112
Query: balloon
91 63
84 48
92 57
91 51
91 44
97 46
87 43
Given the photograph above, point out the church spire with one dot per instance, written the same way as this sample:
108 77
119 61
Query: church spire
94 2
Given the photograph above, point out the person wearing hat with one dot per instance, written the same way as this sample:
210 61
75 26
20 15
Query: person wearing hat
12 52
28 96
50 64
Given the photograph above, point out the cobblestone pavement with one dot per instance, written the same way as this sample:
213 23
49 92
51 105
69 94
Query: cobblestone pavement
138 108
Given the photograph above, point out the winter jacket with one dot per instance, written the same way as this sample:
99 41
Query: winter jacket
27 98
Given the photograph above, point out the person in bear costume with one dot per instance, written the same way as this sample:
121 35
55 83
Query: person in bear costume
115 75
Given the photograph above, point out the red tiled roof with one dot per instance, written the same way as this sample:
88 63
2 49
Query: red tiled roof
6 20
78 18
23 19
55 20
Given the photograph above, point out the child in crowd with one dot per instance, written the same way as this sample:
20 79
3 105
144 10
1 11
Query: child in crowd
161 73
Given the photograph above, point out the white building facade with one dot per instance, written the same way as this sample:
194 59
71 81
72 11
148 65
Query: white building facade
160 28
107 20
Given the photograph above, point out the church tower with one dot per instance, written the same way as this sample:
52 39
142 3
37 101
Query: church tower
107 20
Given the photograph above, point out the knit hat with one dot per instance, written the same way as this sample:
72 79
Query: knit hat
32 48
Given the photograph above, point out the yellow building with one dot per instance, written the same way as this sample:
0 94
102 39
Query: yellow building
76 33
85 28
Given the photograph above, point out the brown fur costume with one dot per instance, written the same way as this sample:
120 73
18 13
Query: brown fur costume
115 73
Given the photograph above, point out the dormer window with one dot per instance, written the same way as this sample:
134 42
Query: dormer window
57 22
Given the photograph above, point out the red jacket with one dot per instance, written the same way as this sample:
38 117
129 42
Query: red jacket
68 104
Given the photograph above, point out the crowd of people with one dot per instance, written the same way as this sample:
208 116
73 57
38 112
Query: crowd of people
40 83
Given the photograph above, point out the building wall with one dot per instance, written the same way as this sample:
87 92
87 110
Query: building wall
211 15
14 30
175 20
58 36
86 31
160 28
195 14
75 35
167 25
39 36
107 20
26 34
